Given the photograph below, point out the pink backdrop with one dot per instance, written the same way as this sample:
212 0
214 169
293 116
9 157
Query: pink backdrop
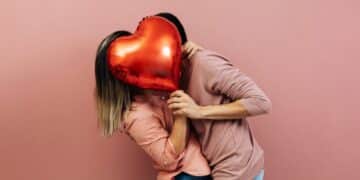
304 54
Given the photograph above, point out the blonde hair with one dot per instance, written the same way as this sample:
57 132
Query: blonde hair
112 96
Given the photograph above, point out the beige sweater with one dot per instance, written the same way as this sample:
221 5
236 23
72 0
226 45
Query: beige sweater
228 145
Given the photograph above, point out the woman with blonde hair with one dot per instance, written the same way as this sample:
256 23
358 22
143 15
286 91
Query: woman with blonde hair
143 114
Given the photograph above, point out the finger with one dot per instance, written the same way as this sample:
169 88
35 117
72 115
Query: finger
177 106
177 93
175 100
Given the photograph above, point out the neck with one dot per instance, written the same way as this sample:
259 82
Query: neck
149 92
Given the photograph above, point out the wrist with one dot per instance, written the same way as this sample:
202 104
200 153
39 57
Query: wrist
203 112
180 118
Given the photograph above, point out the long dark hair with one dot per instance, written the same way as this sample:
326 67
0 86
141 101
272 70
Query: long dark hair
112 96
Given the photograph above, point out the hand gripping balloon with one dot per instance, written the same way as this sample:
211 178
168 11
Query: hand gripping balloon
150 58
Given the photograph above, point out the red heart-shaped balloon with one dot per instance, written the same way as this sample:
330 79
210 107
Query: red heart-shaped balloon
150 58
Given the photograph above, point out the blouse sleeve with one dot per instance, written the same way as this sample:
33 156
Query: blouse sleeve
222 77
147 131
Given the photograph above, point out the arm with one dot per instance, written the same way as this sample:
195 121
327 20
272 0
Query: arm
222 78
165 149
183 104
233 110
179 133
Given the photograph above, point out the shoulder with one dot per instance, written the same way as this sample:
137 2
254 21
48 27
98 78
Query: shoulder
143 124
140 111
204 55
209 60
209 63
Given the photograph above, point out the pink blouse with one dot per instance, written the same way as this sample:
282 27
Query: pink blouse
149 124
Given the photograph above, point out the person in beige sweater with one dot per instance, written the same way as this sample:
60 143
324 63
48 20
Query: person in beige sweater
218 98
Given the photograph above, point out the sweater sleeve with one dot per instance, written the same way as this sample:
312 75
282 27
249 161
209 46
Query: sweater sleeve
222 77
147 131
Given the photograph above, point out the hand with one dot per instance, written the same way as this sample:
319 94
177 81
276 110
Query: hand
189 49
182 104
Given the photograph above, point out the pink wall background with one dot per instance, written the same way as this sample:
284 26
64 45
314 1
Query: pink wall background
304 54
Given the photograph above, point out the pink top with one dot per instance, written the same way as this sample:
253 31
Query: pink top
148 124
229 145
